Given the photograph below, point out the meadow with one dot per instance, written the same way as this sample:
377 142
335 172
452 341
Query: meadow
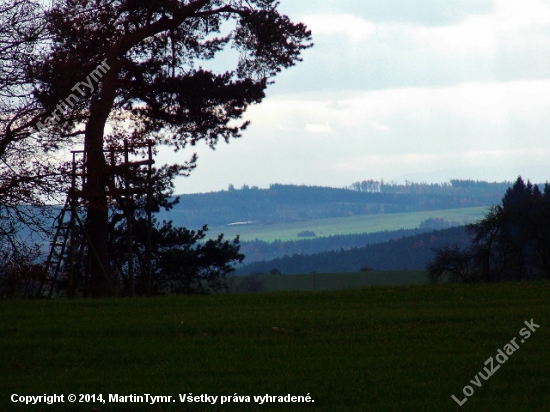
392 348
346 225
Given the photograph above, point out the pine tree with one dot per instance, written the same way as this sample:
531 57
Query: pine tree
512 242
133 65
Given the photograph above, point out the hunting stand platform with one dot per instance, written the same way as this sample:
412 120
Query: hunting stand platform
128 177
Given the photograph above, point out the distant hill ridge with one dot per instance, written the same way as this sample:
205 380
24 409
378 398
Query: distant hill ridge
409 252
287 203
262 251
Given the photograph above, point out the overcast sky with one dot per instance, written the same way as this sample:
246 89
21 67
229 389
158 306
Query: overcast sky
425 90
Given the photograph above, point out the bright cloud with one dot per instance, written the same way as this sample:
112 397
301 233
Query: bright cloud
318 128
512 23
477 35
467 117
354 27
378 126
417 160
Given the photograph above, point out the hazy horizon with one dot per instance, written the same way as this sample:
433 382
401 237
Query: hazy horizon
349 185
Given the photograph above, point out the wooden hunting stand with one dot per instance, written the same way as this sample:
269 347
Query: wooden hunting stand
127 178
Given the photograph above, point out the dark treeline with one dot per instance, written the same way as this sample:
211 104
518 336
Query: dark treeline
257 250
412 252
284 203
464 187
512 242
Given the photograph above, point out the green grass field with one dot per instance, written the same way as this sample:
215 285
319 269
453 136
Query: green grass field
401 348
346 225
335 281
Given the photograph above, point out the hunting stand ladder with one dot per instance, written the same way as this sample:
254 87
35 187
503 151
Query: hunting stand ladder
128 178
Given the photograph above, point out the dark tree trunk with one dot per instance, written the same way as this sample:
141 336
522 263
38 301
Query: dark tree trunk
96 223
95 192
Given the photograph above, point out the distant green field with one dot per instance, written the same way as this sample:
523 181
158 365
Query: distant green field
380 349
335 281
346 225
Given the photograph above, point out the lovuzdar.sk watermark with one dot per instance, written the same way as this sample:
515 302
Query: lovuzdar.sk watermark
501 357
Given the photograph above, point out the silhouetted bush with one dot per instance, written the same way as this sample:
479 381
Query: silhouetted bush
251 284
20 278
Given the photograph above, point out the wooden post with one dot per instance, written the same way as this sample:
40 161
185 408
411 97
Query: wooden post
72 228
129 219
149 220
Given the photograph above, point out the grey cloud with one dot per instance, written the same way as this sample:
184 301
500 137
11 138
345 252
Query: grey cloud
423 12
392 60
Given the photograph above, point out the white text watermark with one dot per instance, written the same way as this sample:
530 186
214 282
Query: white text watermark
501 357
65 105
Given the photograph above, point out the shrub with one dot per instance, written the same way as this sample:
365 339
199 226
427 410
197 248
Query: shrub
251 284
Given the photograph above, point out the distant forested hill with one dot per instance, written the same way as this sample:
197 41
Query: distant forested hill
259 250
287 203
411 252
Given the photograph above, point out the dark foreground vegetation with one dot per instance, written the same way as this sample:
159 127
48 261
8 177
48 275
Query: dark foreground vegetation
512 242
380 349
